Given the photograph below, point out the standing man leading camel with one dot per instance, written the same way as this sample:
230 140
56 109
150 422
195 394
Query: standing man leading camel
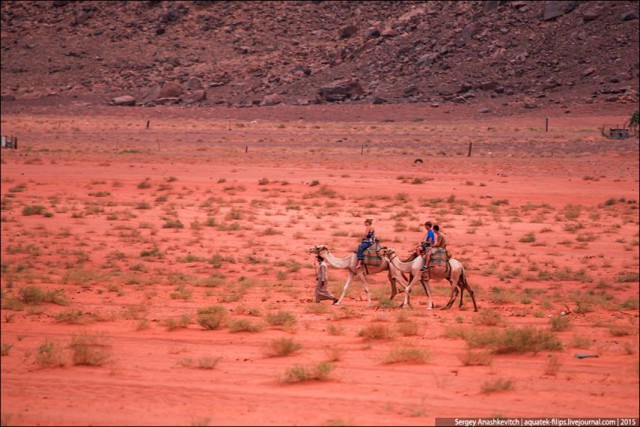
322 279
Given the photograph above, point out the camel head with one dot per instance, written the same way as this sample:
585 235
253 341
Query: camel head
386 252
317 249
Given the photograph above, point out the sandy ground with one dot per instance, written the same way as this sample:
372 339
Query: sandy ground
116 237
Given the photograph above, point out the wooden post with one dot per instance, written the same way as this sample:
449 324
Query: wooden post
469 155
15 142
148 121
546 124
246 148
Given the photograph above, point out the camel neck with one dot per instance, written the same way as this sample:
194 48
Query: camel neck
337 262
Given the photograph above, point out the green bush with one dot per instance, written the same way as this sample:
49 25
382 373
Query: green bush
281 318
212 317
89 350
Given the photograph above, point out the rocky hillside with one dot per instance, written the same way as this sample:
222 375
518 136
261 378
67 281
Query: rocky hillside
263 53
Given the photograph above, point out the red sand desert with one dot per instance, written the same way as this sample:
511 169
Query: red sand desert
117 239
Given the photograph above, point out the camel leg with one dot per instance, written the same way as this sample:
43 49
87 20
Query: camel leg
394 288
452 296
427 290
344 289
407 290
465 285
366 288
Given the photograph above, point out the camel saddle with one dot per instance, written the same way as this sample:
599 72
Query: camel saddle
439 261
371 257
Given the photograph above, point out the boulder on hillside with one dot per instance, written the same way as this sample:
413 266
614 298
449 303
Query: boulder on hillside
341 90
192 96
348 31
193 83
150 94
554 9
272 99
126 100
170 90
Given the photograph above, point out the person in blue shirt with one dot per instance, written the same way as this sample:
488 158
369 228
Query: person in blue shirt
367 240
428 242
430 238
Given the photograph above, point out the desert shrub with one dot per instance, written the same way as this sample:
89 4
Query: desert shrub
627 277
376 332
89 350
211 317
560 323
553 365
34 210
527 339
282 347
80 276
36 295
488 317
181 292
499 384
323 191
335 330
476 358
580 342
509 340
173 224
50 355
173 323
208 362
144 184
72 316
499 295
12 303
300 373
620 331
573 227
528 238
6 347
629 304
281 318
100 194
407 329
242 325
153 252
572 211
407 355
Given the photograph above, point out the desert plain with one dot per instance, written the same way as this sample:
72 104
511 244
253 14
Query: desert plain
155 265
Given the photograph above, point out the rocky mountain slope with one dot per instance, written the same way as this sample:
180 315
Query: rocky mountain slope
263 53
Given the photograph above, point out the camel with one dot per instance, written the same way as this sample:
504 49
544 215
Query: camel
453 274
349 263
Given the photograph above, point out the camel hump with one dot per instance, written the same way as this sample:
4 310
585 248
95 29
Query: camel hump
438 257
371 256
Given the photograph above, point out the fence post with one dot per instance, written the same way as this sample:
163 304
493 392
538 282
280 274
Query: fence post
469 155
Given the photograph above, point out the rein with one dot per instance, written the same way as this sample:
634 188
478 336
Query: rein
390 257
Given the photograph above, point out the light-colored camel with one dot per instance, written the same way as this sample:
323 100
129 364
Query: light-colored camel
349 263
454 275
